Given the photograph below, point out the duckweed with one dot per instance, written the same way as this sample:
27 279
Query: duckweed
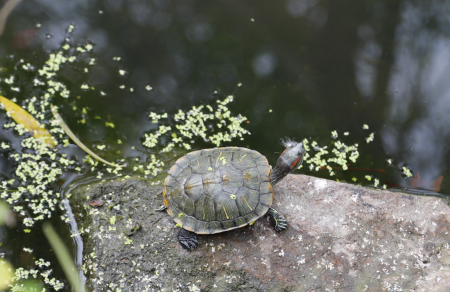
42 272
376 182
407 171
334 134
38 167
198 122
342 154
370 138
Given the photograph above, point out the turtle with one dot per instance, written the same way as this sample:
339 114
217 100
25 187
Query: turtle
219 189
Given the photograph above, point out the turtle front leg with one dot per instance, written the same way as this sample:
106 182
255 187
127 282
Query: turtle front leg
278 221
187 239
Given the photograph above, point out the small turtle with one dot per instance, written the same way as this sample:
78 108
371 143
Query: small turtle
216 190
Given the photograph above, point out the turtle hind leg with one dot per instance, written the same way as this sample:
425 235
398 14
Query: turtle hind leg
278 221
187 239
162 208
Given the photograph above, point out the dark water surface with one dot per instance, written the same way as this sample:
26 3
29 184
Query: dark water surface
297 68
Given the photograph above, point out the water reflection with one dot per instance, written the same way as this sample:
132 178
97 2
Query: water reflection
315 14
227 72
417 122
167 84
264 64
299 8
141 13
366 60
200 31
161 20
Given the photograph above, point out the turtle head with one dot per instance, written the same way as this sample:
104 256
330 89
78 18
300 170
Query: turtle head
289 160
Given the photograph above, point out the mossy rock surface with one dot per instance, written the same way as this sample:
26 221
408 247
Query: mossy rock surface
340 237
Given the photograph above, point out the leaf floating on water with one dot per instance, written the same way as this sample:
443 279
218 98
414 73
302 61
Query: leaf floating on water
22 117
96 203
75 139
25 38
416 182
436 184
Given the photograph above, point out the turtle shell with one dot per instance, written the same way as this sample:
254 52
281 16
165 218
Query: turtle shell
216 190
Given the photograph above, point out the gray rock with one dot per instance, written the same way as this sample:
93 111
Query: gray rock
340 237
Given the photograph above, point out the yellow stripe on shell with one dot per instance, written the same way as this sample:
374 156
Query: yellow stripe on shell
225 212
247 204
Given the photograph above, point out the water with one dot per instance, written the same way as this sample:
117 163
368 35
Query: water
298 69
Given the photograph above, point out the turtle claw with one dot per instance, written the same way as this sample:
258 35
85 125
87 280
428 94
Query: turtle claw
187 239
278 221
162 208
280 224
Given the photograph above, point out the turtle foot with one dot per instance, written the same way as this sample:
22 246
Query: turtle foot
278 220
187 239
162 208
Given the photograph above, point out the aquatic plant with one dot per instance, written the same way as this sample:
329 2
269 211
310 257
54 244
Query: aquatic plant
211 125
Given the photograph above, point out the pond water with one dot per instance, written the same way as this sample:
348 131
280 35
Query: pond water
297 68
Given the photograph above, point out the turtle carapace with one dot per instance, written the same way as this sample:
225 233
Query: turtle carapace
216 190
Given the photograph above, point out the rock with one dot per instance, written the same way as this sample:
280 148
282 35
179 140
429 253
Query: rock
340 237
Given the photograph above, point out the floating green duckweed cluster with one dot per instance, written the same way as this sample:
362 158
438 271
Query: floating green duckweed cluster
154 166
38 167
203 122
370 138
30 194
42 272
342 153
155 117
376 182
199 122
334 134
407 171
